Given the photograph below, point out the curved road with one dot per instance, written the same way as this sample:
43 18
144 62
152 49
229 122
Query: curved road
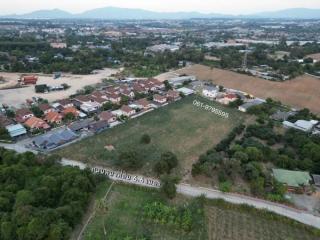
295 214
193 191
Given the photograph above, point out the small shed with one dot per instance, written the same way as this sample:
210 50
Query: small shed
16 130
294 180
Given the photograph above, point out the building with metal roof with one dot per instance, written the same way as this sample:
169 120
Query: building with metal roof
16 130
292 179
54 139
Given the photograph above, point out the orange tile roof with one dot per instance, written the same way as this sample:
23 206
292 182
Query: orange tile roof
53 117
35 122
72 110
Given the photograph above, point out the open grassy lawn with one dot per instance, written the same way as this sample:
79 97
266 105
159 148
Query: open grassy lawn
124 219
180 127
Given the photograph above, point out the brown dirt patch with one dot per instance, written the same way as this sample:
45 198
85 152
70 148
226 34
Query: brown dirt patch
301 92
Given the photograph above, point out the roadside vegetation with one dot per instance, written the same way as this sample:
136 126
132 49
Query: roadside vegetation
139 213
243 161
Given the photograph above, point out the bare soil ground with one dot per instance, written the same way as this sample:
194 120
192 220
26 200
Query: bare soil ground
315 56
16 97
301 92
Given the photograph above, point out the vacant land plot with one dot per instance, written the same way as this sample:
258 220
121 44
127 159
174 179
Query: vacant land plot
16 97
315 56
180 127
301 92
122 216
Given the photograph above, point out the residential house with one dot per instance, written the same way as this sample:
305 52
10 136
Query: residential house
185 91
71 110
5 121
81 99
90 107
139 89
173 95
36 123
127 111
282 115
143 104
114 98
210 92
99 94
228 98
156 83
65 103
107 116
244 107
112 90
99 126
16 130
54 139
23 115
80 125
302 125
176 81
53 118
159 99
46 108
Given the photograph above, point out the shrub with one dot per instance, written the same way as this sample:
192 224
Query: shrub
146 139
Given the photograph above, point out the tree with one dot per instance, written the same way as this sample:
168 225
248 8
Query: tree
225 186
129 160
37 111
168 186
7 231
167 162
257 186
254 154
41 88
10 113
69 117
167 85
145 138
170 158
107 106
241 156
4 134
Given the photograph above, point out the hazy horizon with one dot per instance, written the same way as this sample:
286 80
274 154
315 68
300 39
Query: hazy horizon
203 6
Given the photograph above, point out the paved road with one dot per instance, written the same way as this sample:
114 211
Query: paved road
193 191
18 147
298 215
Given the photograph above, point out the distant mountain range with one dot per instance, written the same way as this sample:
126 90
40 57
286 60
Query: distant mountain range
126 13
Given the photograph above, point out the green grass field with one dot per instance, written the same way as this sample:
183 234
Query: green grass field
123 219
180 127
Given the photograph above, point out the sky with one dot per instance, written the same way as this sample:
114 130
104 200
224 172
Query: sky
205 6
